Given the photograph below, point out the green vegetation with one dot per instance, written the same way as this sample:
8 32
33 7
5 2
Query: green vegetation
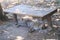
58 2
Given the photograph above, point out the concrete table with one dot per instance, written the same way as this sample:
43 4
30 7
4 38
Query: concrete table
44 13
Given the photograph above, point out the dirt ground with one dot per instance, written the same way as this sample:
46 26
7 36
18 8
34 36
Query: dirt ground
12 32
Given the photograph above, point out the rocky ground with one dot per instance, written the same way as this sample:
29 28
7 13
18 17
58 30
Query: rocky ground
10 31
